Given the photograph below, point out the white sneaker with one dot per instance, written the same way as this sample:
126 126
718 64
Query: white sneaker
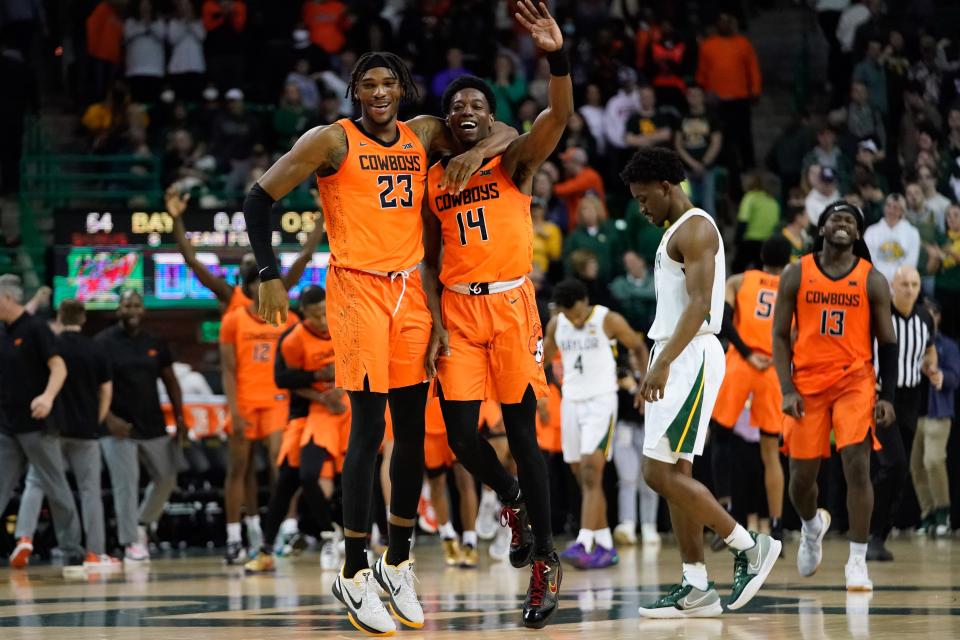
330 557
625 533
858 579
364 608
397 582
254 540
500 547
810 549
488 516
136 552
649 534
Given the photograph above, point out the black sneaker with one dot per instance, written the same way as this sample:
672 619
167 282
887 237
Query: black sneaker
521 541
776 532
543 594
235 554
877 550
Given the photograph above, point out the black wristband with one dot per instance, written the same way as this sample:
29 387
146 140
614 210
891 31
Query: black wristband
559 62
887 364
256 213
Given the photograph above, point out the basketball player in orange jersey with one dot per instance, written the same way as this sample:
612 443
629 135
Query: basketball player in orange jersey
838 304
748 326
489 309
317 417
258 409
231 297
371 173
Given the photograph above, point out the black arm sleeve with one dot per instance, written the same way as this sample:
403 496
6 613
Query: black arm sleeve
887 361
256 212
286 377
728 331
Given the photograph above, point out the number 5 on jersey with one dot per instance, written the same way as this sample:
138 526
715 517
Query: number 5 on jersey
467 220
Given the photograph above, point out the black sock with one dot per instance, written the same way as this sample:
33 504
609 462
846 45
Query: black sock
399 549
355 558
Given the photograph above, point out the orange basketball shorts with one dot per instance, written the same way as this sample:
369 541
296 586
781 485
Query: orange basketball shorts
495 340
846 408
436 452
261 421
380 329
741 381
290 445
326 430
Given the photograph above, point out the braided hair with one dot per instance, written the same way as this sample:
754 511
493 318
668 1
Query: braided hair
392 61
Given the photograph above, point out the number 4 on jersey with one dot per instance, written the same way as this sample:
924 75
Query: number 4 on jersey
578 364
466 220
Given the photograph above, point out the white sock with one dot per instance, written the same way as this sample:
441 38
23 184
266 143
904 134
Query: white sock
233 532
812 526
695 575
447 532
252 523
603 538
858 550
469 538
585 537
289 526
740 539
142 534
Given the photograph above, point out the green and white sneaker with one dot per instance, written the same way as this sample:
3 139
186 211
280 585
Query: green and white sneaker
685 601
751 567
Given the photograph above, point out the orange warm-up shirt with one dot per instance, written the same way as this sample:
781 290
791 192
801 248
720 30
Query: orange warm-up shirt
753 311
255 344
105 33
487 232
728 68
372 202
327 23
833 326
304 348
238 300
573 190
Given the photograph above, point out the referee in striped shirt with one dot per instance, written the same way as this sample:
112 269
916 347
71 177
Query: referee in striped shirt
917 357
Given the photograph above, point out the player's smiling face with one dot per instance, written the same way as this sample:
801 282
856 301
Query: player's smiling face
840 229
653 198
469 117
379 93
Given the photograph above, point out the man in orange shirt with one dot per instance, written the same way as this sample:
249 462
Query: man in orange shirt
104 43
258 409
580 181
371 173
327 21
838 303
729 70
489 310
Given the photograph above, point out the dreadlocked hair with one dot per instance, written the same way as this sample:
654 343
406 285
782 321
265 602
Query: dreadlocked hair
392 61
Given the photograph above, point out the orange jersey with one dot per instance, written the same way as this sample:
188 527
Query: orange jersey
305 349
833 326
254 342
487 231
238 300
753 311
371 205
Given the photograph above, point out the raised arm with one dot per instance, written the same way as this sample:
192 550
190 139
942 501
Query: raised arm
430 272
697 242
322 150
783 313
176 204
528 152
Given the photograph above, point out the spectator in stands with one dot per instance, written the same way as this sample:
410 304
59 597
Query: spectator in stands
235 132
187 66
650 126
330 108
925 219
867 159
547 237
527 112
852 18
538 86
104 44
728 69
668 65
509 86
580 180
893 242
556 209
577 134
144 34
102 117
592 112
226 24
291 118
872 73
620 108
187 160
583 265
926 72
828 15
824 191
596 234
872 197
642 236
634 292
306 84
328 22
948 278
863 119
453 70
698 141
918 115
827 154
758 219
796 223
789 149
928 461
950 145
933 199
